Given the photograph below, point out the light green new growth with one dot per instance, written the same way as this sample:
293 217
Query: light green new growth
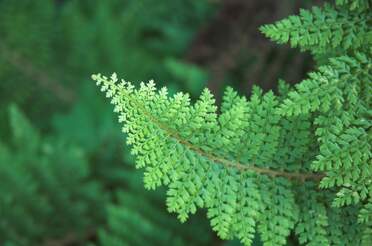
295 162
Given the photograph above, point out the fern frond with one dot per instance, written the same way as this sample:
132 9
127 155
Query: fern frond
354 4
312 228
320 29
200 155
329 88
261 162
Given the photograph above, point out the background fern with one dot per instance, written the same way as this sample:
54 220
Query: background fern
42 178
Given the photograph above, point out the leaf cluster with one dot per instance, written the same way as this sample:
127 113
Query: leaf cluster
295 162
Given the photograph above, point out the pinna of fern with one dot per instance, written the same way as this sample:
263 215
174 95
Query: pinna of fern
330 29
323 29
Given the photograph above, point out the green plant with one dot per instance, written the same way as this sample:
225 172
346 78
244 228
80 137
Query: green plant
155 226
45 185
295 162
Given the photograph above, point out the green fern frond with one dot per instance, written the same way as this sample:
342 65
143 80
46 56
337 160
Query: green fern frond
330 87
200 155
300 161
322 29
355 4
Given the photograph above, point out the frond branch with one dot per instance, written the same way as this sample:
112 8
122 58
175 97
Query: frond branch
227 163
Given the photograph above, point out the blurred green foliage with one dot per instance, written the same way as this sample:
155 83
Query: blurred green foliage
64 175
45 186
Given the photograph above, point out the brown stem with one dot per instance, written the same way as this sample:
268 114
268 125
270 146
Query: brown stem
229 163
